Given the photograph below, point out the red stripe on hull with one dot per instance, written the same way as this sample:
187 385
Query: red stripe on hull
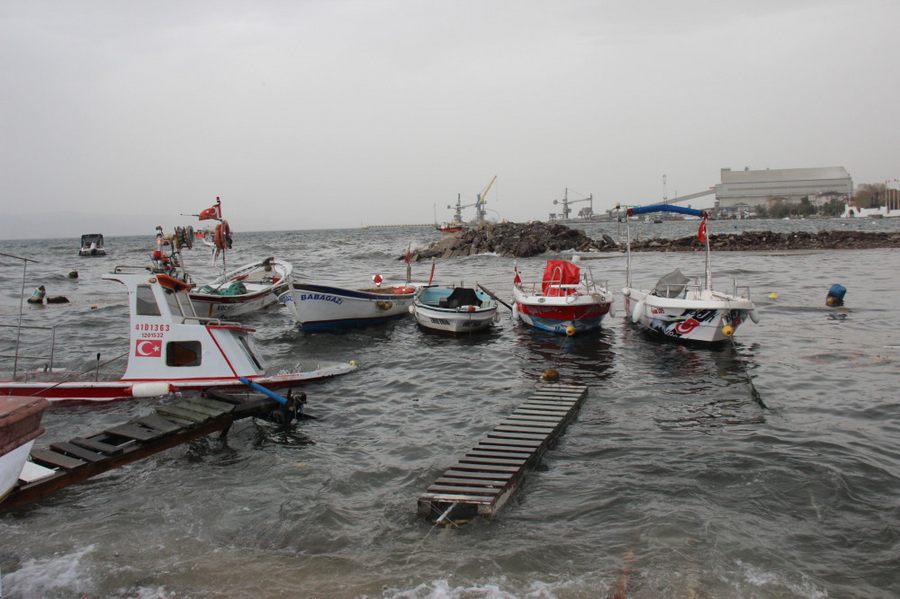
564 312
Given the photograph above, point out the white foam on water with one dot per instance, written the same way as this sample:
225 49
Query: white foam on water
758 577
64 574
499 588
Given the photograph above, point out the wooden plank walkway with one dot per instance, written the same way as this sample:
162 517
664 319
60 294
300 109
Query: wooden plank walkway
486 476
173 424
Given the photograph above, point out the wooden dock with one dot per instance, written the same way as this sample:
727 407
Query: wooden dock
487 475
172 424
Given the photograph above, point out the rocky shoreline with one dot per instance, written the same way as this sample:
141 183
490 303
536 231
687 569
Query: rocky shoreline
522 240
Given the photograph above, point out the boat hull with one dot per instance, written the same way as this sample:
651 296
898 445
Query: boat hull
20 424
75 392
263 289
700 321
463 319
326 308
11 465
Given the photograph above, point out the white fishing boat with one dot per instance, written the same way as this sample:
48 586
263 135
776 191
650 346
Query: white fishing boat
677 309
327 308
171 348
454 309
92 245
566 300
247 289
20 425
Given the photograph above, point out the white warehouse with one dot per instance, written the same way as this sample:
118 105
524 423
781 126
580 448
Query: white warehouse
747 188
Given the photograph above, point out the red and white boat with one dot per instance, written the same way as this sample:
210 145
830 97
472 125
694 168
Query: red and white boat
566 300
20 425
172 348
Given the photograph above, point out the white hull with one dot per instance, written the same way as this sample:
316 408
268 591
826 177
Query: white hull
11 466
322 307
454 321
701 316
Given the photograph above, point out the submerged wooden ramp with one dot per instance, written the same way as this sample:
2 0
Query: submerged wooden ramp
68 462
487 475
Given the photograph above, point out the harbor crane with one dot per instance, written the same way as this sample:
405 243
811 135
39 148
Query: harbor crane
480 201
584 212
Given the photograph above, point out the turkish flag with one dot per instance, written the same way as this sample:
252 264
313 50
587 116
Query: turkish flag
517 280
211 212
148 348
701 232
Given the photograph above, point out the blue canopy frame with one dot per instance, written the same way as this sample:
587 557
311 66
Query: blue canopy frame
666 208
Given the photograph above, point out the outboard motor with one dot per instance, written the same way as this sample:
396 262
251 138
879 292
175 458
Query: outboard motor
835 295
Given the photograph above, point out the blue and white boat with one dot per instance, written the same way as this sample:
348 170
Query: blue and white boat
679 310
327 308
454 309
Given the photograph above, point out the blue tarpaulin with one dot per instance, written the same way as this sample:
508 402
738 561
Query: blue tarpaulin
665 208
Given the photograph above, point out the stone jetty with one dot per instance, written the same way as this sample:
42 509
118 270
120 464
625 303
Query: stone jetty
522 240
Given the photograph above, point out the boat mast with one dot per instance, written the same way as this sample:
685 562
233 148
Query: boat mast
708 271
627 253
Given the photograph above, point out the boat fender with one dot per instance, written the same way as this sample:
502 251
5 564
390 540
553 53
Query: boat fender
728 330
570 330
412 309
754 316
384 305
515 312
151 389
636 313
470 308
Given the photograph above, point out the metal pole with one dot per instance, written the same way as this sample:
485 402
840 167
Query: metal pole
627 252
708 271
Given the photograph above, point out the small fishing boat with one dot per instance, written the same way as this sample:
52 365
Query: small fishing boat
247 289
171 348
677 309
92 245
327 308
565 301
454 309
20 424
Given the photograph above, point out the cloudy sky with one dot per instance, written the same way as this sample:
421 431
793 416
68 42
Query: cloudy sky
328 113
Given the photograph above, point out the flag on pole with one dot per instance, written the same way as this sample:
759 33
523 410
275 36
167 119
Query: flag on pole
214 211
517 280
701 232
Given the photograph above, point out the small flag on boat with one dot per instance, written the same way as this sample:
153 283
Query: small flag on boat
214 211
517 280
701 232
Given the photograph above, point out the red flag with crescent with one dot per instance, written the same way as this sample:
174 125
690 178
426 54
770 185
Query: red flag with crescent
517 280
211 212
148 348
701 232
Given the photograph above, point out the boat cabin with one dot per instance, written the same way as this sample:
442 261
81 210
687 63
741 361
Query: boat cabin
169 341
92 245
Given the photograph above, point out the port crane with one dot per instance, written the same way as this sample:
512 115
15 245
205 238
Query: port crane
584 212
479 203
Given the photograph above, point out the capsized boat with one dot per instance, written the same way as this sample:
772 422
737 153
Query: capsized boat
20 424
566 300
454 309
246 289
677 309
92 245
327 308
172 348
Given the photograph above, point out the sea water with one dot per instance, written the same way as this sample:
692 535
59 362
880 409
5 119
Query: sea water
764 468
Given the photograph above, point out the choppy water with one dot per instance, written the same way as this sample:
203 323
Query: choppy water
767 469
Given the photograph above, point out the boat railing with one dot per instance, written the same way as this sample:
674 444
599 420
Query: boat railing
205 320
124 269
46 356
742 291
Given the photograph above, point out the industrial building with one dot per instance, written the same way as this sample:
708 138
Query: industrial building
747 188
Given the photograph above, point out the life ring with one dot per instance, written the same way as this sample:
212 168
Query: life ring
222 236
172 283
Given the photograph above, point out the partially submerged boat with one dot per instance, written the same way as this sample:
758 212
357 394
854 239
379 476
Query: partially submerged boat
92 245
20 425
246 289
328 308
566 300
171 348
454 309
676 308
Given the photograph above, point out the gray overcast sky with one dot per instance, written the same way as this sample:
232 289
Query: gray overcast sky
312 114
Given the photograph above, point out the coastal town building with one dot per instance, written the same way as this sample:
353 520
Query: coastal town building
743 189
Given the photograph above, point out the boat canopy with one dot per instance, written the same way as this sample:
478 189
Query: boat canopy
666 208
89 238
671 285
559 272
462 296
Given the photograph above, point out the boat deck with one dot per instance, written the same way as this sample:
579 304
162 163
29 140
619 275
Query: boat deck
480 482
